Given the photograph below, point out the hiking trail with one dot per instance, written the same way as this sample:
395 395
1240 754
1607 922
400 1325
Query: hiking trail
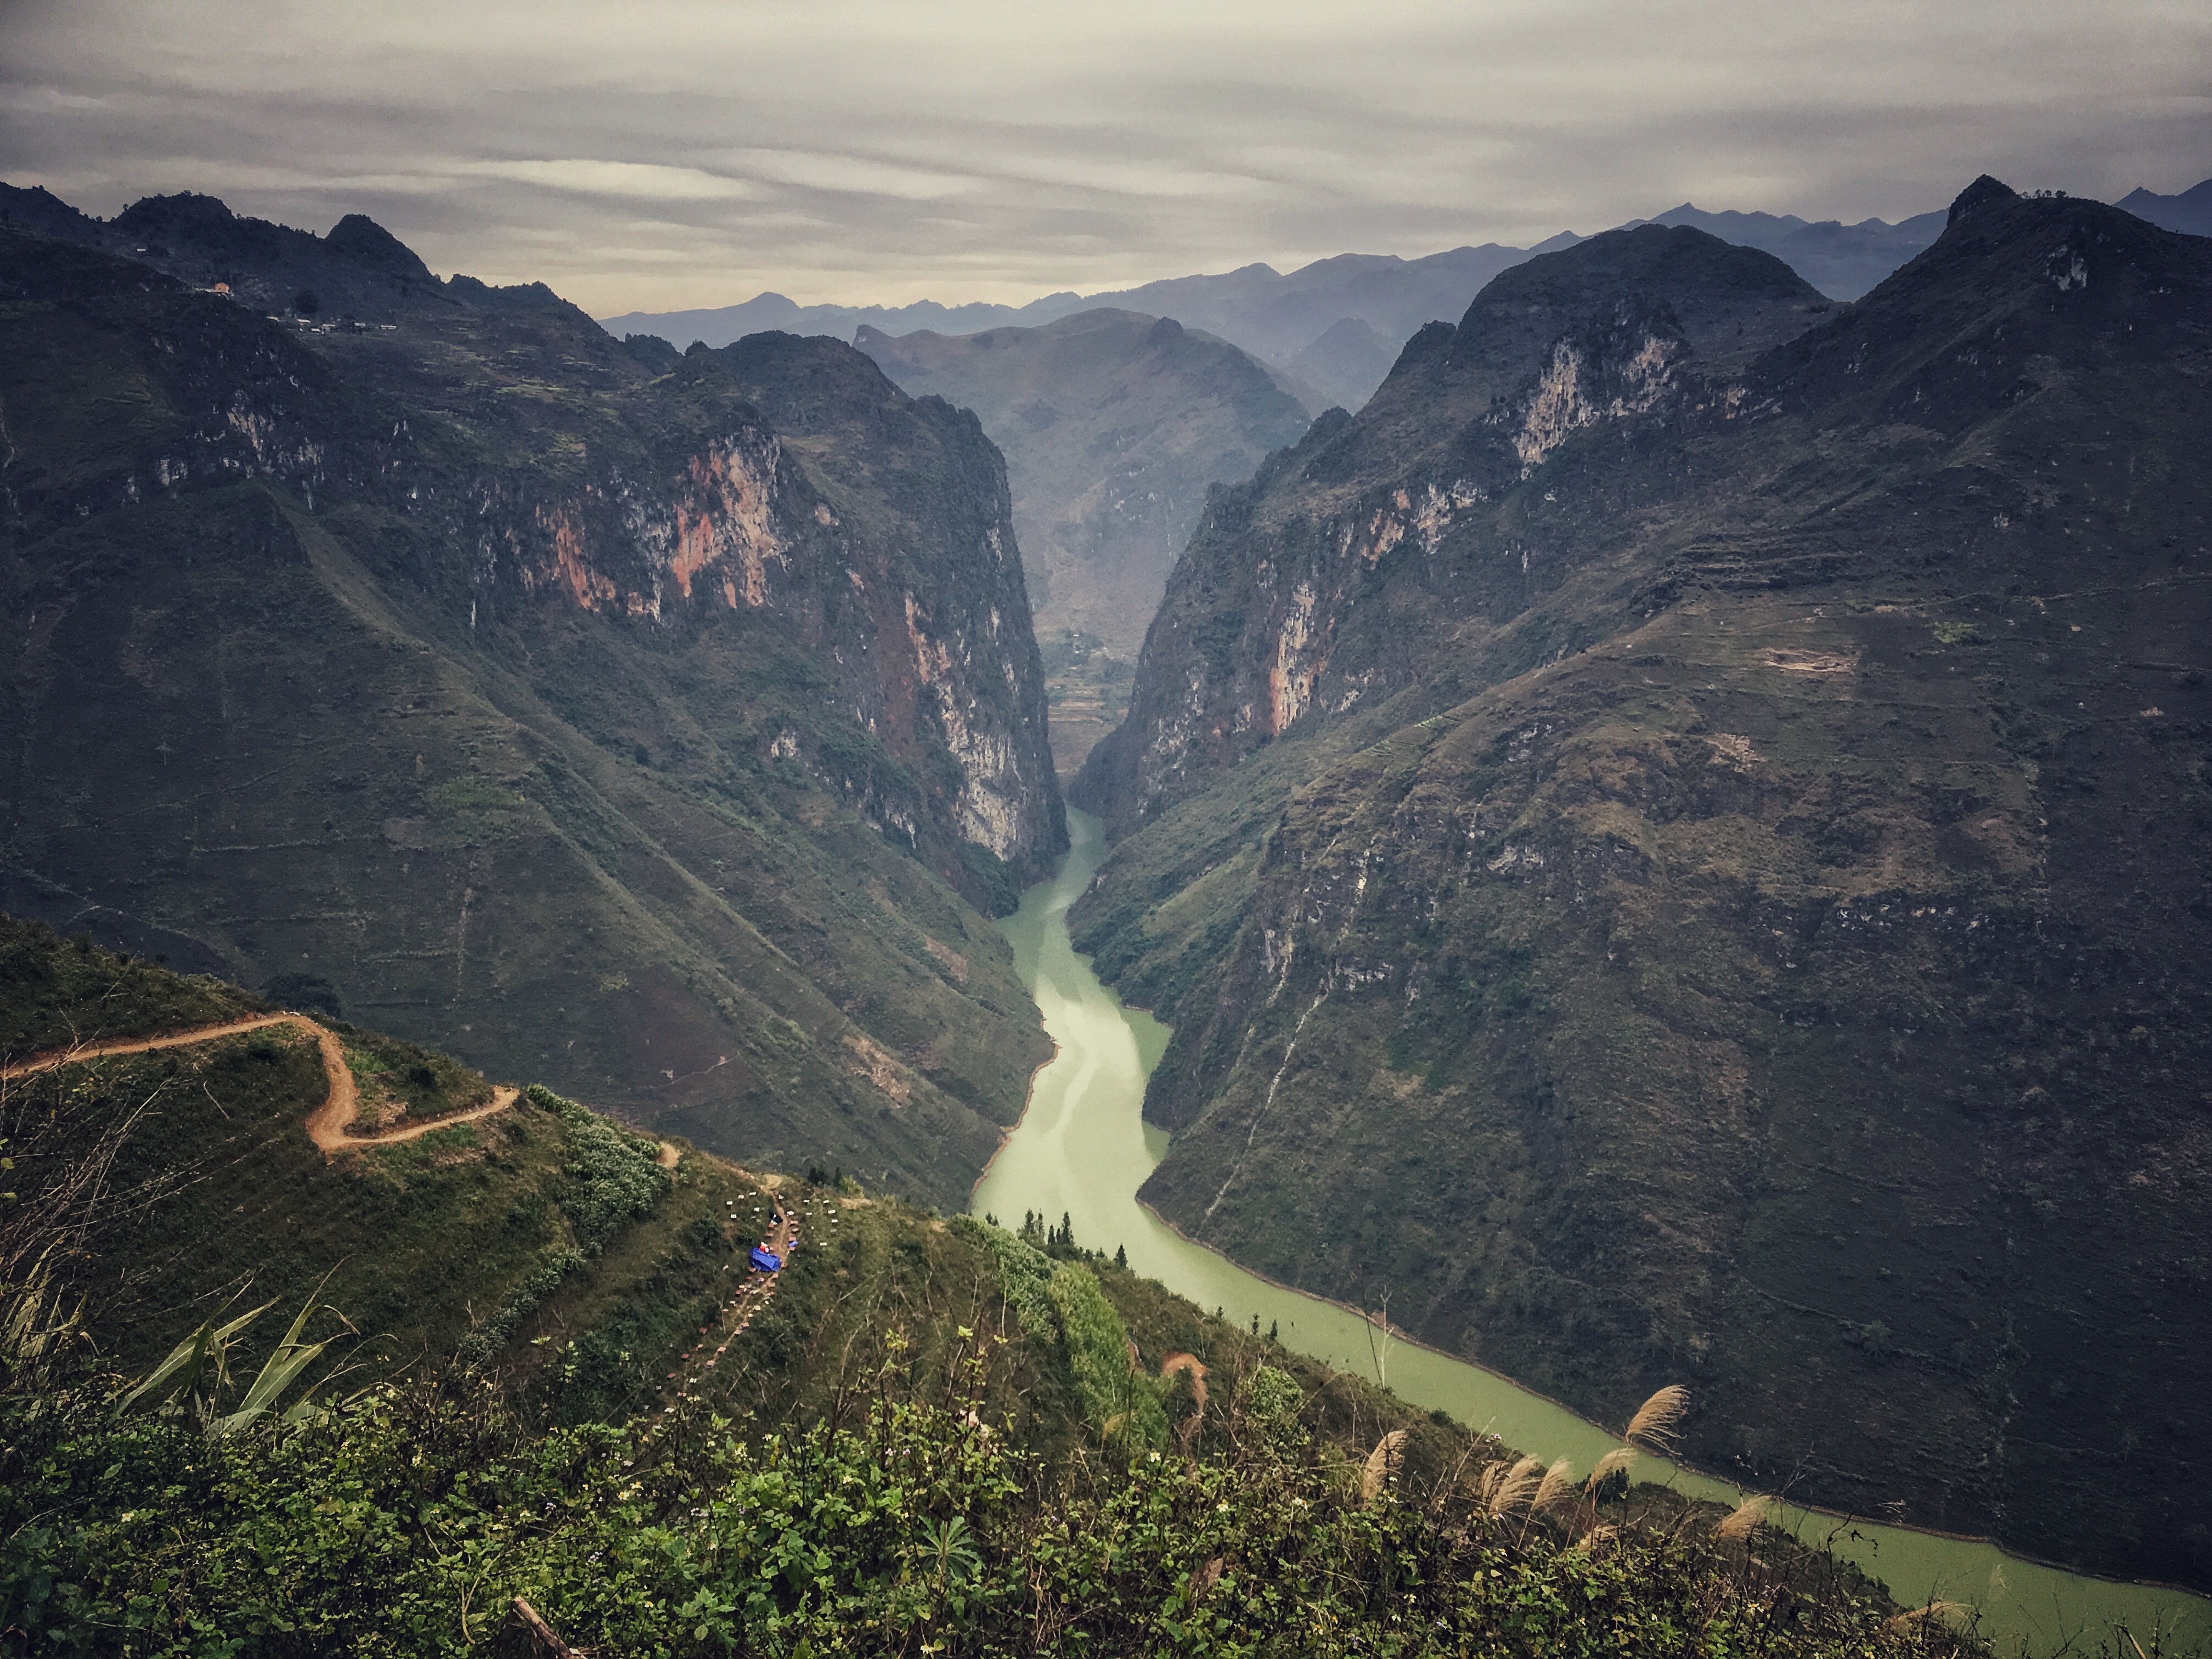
330 1126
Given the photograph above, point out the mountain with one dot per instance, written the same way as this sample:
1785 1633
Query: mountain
2191 212
1672 843
718 326
1113 426
463 673
359 271
1336 324
1843 261
1281 319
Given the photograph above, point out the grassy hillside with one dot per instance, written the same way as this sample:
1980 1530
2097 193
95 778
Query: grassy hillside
922 1433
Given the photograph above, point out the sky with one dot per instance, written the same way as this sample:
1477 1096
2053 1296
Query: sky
655 155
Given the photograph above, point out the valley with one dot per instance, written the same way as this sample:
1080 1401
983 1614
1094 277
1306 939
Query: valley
1083 1151
467 673
1115 427
1616 884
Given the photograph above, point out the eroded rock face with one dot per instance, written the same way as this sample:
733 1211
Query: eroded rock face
913 601
1263 626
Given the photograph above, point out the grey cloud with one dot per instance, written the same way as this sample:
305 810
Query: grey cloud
672 155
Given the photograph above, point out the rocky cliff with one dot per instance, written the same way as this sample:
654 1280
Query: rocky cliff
463 668
1113 426
1673 860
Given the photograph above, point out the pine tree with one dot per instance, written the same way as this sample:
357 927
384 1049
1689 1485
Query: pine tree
1121 1256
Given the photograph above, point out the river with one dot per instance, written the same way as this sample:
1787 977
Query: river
1083 1149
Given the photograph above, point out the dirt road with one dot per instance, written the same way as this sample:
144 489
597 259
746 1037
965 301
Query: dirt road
330 1126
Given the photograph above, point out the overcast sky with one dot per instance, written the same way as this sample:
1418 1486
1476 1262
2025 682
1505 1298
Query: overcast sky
657 155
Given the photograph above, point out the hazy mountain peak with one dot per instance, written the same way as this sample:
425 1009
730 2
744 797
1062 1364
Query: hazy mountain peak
1977 195
2189 212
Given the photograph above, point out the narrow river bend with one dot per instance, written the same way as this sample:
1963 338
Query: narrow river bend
1083 1149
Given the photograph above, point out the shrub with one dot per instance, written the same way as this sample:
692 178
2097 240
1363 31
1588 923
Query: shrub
615 1176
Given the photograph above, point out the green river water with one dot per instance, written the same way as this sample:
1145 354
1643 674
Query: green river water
1083 1149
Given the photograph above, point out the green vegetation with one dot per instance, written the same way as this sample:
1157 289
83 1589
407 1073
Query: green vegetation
1061 1303
614 1176
408 1519
514 1371
55 993
400 1080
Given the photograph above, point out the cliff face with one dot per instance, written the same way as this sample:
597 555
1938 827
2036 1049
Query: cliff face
1676 864
1331 580
1113 426
464 671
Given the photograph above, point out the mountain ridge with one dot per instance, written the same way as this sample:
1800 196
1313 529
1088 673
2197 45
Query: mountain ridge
1680 915
677 712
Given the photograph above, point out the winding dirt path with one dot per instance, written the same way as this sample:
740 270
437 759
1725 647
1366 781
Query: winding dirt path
330 1126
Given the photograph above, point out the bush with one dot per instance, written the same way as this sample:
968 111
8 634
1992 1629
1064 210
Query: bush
615 1176
406 1523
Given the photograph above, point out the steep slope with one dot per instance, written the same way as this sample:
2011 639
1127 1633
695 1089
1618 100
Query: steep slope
1762 943
579 1264
1247 645
463 665
1113 426
910 1429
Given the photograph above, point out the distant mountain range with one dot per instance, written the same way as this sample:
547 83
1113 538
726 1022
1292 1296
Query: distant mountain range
1337 325
2189 213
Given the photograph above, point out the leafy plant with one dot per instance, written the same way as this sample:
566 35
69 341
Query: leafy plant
191 1382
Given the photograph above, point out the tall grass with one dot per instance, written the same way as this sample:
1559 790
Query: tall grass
1658 1420
1744 1520
1382 1465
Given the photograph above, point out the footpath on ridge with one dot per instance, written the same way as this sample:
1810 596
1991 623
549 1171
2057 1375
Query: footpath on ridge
690 1379
330 1126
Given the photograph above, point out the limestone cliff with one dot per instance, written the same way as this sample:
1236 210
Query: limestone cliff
1673 860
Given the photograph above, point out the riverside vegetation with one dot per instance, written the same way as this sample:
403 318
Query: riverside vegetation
934 1439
